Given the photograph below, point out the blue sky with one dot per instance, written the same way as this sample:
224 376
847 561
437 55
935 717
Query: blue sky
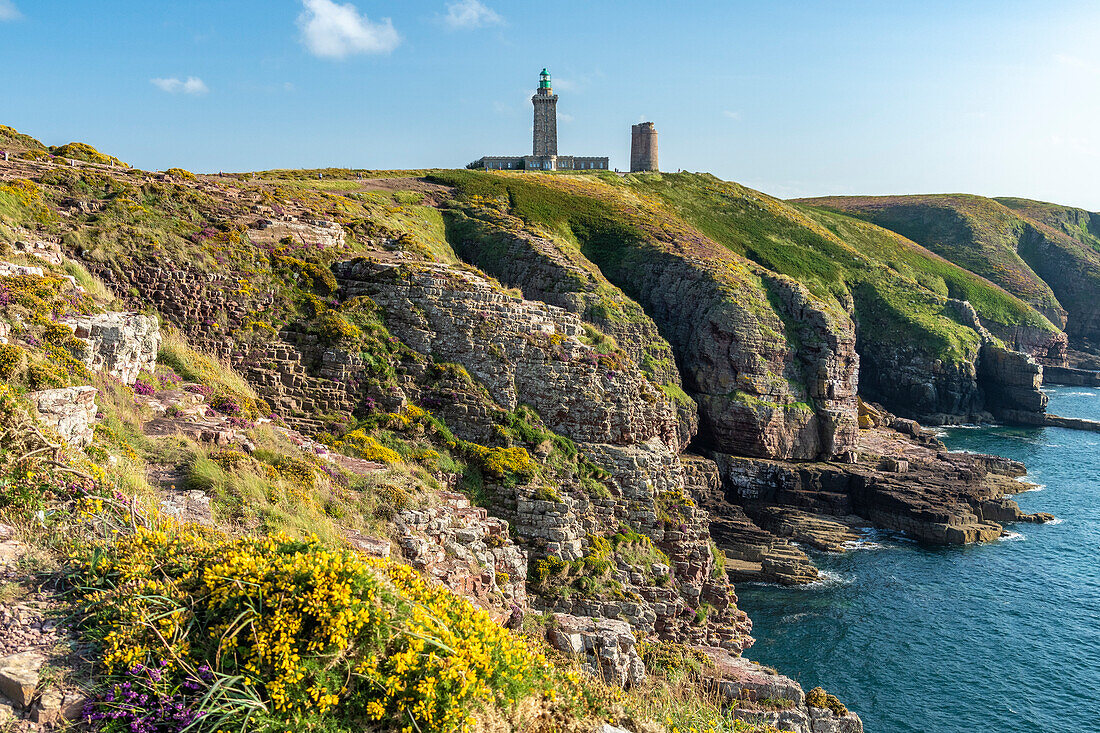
806 98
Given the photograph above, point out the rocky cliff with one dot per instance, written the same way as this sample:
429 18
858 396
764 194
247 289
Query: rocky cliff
584 403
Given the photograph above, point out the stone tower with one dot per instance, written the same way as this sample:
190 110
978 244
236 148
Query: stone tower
643 147
546 117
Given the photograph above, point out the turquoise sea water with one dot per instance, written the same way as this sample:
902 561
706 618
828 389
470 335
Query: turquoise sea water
989 638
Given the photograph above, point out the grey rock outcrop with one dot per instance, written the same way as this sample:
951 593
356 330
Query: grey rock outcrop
607 645
755 691
466 550
119 344
19 676
522 351
557 273
70 411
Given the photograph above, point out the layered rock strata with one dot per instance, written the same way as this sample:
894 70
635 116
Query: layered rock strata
607 646
763 696
933 495
530 353
734 328
558 274
466 550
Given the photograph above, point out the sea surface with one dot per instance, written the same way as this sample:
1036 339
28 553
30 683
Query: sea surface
1001 637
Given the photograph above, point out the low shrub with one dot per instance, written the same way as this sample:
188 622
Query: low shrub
266 633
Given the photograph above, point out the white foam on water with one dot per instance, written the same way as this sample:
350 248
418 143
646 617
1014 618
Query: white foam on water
1036 487
828 579
1056 520
865 545
1012 537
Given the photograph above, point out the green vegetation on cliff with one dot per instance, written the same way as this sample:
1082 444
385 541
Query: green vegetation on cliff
974 232
898 286
1048 255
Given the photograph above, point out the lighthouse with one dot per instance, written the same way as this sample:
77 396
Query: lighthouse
546 118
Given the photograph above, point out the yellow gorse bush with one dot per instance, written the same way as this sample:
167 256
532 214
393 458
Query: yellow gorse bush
315 631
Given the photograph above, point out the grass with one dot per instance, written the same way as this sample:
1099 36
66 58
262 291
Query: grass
897 287
209 370
975 233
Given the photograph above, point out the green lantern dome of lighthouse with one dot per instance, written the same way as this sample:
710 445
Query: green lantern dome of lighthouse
544 79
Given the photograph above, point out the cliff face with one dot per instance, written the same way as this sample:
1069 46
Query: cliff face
771 365
558 274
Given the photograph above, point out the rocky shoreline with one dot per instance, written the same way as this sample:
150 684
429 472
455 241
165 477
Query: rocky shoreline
900 478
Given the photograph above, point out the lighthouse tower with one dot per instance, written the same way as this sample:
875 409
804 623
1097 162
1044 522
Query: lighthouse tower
546 118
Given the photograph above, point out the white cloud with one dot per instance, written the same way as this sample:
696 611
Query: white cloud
565 117
190 85
731 114
8 11
335 31
469 14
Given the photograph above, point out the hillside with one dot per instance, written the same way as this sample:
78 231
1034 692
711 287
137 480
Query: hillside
895 294
1044 253
342 450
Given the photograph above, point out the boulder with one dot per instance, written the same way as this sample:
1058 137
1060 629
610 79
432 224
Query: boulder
607 644
71 411
119 344
19 676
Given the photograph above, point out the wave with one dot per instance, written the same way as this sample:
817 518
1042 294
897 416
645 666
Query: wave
1056 520
866 544
1012 537
828 579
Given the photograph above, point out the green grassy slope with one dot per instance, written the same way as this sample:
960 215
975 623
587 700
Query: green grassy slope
896 283
974 232
1084 226
898 292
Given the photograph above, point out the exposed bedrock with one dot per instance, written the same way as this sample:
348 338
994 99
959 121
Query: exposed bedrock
773 369
1070 376
933 495
991 379
1012 380
523 352
558 274
761 696
1071 269
752 553
914 384
119 344
1050 349
528 352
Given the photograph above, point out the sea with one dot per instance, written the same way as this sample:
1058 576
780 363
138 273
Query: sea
992 638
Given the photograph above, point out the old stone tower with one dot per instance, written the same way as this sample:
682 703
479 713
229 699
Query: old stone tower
643 147
546 117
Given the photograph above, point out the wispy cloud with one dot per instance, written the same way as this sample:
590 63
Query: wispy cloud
190 85
8 11
731 114
470 14
334 31
565 117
